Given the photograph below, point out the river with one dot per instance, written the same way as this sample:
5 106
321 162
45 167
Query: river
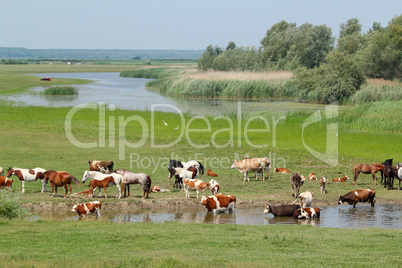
131 94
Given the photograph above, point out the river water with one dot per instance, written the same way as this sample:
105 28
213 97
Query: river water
131 94
342 216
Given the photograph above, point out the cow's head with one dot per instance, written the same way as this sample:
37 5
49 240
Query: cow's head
340 200
74 209
234 164
267 209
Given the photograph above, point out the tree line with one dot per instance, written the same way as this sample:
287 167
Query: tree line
330 71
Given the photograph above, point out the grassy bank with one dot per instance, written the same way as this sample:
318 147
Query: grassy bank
92 243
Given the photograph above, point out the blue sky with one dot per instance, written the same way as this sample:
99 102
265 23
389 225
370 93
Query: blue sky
177 24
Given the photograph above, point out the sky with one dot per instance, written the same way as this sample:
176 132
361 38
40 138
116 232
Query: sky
172 24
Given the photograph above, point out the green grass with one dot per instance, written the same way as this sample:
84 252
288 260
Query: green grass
92 243
60 90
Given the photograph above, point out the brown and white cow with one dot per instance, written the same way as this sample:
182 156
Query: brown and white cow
257 165
6 183
102 166
356 196
312 176
194 184
219 203
281 170
214 186
305 199
157 189
88 208
323 181
343 179
307 213
282 210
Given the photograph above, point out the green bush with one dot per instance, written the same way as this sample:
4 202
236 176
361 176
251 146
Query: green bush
11 205
63 90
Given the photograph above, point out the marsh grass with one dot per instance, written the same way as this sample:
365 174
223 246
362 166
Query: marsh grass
60 90
11 205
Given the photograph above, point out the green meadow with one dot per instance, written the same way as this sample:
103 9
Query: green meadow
53 138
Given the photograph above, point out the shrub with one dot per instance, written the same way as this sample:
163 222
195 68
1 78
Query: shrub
11 205
60 91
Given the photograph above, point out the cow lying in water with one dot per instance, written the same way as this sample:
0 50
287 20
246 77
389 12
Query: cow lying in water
88 208
283 210
219 203
361 195
307 213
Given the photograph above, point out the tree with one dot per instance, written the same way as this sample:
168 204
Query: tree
350 37
208 57
231 45
352 26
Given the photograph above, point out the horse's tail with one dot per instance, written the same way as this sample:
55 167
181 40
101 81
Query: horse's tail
77 182
202 168
149 182
122 186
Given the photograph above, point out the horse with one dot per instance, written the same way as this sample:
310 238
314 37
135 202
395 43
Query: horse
175 163
28 175
399 174
367 169
60 179
96 175
389 174
134 178
385 163
182 173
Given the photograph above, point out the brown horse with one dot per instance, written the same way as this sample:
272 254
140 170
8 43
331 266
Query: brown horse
367 169
58 179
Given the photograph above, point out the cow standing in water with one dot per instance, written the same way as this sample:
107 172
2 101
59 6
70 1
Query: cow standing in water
356 196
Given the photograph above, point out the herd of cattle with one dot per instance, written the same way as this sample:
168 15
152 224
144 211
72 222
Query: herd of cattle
103 175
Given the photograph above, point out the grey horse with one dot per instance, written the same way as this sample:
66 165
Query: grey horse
134 178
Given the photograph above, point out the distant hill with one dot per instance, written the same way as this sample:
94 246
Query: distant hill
25 53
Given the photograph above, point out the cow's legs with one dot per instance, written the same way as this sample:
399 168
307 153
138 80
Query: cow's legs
98 212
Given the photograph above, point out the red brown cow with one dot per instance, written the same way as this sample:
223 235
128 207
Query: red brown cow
312 176
281 170
252 164
343 179
211 174
281 211
361 195
102 166
193 184
157 189
307 213
87 208
6 183
219 203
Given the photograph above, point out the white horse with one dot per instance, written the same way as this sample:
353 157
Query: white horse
28 175
96 175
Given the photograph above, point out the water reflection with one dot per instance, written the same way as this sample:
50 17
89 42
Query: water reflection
131 94
384 216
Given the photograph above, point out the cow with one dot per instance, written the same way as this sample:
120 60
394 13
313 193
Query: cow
361 195
305 199
322 184
214 186
157 189
211 174
251 164
88 208
102 166
307 213
296 181
194 184
6 183
343 179
312 176
281 211
282 170
219 203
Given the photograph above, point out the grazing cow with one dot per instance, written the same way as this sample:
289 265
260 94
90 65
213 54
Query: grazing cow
367 169
250 164
102 166
1 171
211 174
305 199
193 184
281 211
281 170
312 176
307 213
361 195
219 203
157 189
296 181
6 183
343 179
214 186
88 208
322 184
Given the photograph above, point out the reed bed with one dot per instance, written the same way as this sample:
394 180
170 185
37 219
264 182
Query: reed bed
378 90
241 76
61 90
